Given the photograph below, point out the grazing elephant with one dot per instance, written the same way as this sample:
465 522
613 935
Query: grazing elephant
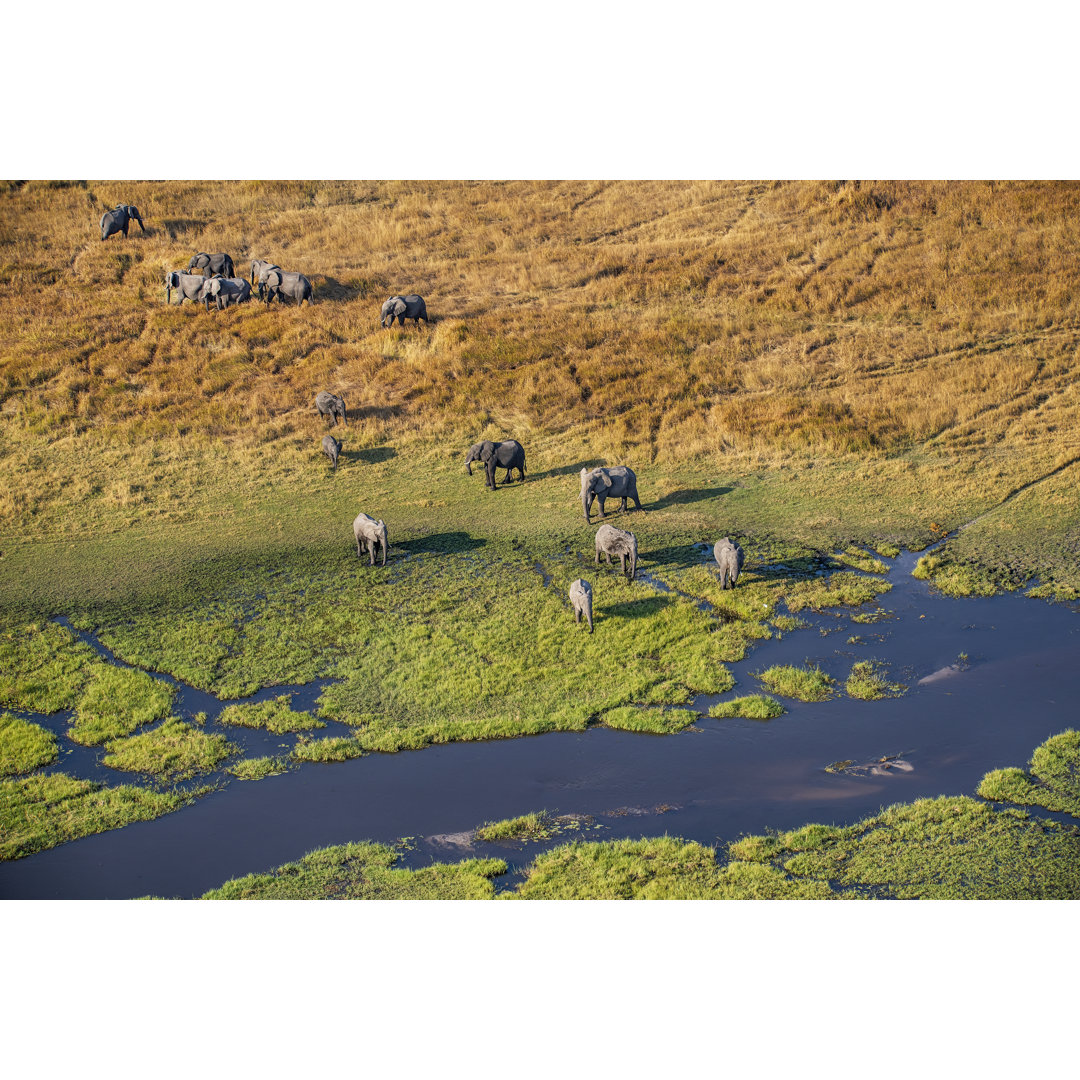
402 308
114 221
331 406
331 448
187 285
370 533
581 601
508 455
729 557
224 291
258 268
282 283
618 482
612 541
219 263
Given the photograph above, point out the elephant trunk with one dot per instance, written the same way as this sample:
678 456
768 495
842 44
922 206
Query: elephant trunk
468 466
585 505
633 562
168 294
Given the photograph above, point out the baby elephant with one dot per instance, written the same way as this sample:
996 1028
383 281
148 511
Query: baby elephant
331 448
370 533
331 406
581 601
612 541
729 558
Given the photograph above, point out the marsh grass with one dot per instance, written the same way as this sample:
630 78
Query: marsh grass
751 707
842 589
43 667
174 750
274 716
655 721
24 746
115 702
867 682
860 560
39 812
805 684
1053 782
538 825
955 578
258 768
332 748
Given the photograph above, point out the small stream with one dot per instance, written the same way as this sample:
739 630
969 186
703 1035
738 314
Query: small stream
989 679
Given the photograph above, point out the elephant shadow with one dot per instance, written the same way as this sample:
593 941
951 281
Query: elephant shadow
688 495
174 226
373 412
641 608
568 470
441 543
679 556
371 455
329 288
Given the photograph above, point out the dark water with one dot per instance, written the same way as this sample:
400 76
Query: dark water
1018 685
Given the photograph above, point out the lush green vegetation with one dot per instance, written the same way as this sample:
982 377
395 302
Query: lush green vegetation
538 825
331 748
868 682
115 702
806 684
656 721
751 707
1053 782
24 746
258 768
43 667
40 812
174 750
275 716
364 872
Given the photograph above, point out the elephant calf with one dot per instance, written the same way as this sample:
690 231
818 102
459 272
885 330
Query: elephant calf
331 406
187 285
370 534
117 221
617 482
581 601
224 291
208 265
729 557
507 454
331 448
612 541
402 308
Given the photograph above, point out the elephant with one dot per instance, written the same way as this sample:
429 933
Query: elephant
581 601
187 285
258 268
282 283
612 541
402 308
224 291
729 557
114 221
219 263
331 406
508 455
370 533
331 448
617 482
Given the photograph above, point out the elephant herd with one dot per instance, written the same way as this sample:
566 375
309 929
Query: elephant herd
210 277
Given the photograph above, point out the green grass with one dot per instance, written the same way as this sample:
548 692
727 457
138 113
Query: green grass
40 812
24 746
332 748
1053 782
174 750
868 683
956 578
535 826
115 702
656 721
43 667
364 871
258 768
842 589
860 560
751 707
805 684
274 716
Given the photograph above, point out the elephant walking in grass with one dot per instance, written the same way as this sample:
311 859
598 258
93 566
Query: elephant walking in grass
617 482
259 267
370 534
729 557
331 406
612 541
402 308
331 448
508 455
224 291
581 601
117 221
187 285
281 283
208 265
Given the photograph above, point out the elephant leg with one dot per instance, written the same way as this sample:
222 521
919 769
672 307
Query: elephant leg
507 478
637 501
608 554
622 503
600 502
577 615
358 547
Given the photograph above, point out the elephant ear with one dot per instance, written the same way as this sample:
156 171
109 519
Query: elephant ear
399 306
604 479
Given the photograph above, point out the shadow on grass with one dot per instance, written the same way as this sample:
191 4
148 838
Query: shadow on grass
636 609
329 288
567 470
689 495
442 542
371 455
175 226
680 556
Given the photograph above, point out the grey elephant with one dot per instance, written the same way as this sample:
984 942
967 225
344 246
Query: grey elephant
331 406
117 221
187 285
370 534
281 283
507 454
729 557
224 291
331 448
612 541
581 600
258 268
402 308
218 263
617 482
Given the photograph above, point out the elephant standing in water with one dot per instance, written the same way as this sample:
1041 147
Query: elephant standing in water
617 482
729 557
117 221
208 265
612 541
187 285
402 308
508 455
331 448
331 406
581 601
370 534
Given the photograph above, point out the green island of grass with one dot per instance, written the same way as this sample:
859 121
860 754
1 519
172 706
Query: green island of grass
24 746
805 684
535 826
750 707
258 768
1053 782
655 721
115 702
274 716
868 683
175 750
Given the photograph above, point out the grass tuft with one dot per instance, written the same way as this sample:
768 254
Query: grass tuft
867 682
805 684
751 707
24 746
535 826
